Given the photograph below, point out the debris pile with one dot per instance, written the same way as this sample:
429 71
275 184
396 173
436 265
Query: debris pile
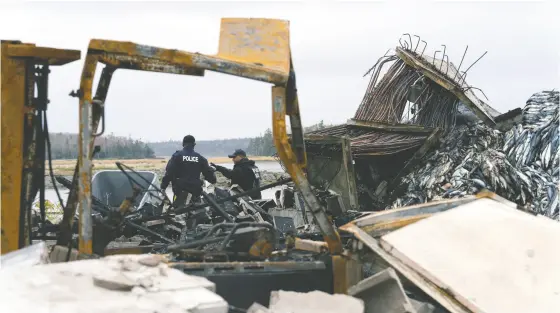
311 302
127 283
520 165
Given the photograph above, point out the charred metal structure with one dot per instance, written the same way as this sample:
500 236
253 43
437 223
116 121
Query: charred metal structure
404 113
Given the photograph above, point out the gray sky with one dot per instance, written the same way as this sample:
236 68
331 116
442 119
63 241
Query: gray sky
333 45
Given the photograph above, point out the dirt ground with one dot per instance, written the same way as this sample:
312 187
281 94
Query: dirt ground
66 167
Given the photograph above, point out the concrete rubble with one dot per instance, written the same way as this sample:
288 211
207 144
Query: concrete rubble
125 283
382 292
35 254
310 302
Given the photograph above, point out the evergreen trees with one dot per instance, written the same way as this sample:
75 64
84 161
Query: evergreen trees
264 145
208 148
65 146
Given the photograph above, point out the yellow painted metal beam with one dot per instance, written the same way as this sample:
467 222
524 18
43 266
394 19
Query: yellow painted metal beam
12 94
51 55
296 169
17 60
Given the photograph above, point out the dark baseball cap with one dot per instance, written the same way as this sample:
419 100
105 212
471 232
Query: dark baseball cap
237 152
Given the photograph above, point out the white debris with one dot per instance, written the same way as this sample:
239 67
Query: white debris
313 302
117 283
29 256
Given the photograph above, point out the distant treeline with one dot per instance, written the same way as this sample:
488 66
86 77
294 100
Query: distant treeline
65 146
208 148
264 145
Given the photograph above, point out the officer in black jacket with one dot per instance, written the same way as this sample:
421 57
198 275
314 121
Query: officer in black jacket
244 173
183 172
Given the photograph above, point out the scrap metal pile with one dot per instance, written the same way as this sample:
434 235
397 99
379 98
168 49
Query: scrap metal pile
520 165
132 213
397 163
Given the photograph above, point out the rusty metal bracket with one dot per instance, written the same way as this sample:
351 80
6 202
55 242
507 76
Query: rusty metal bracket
244 51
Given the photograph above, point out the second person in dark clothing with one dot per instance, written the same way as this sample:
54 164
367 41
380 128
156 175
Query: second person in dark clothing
183 172
245 173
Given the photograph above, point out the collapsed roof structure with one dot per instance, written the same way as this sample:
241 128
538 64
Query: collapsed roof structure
417 95
405 112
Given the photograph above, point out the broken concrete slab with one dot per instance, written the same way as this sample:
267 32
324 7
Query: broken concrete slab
91 286
60 254
513 272
29 256
422 307
382 292
313 302
257 308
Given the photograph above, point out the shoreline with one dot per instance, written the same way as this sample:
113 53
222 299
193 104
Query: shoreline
66 168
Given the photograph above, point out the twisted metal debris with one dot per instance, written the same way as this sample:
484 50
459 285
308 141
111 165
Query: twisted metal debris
391 100
387 100
521 165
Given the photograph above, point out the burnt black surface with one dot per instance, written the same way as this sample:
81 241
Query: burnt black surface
242 289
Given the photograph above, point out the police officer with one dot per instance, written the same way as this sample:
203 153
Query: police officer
183 171
244 173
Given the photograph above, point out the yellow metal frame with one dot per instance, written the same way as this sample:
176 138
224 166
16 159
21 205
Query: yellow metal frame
16 92
257 49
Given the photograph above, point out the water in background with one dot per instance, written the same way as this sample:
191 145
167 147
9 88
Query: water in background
270 166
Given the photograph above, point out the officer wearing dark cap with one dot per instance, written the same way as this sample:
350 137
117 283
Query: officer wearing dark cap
245 173
183 172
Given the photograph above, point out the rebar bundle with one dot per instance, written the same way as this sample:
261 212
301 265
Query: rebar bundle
387 100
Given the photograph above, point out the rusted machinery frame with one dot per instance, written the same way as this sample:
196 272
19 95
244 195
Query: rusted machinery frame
429 71
17 92
295 168
140 57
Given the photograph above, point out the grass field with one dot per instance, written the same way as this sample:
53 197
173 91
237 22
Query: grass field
66 167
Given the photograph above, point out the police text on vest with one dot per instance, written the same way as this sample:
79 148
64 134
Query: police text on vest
189 158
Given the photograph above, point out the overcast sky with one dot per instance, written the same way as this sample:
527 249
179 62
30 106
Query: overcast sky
333 45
